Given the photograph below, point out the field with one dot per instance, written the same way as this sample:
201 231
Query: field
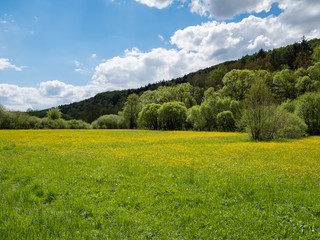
120 184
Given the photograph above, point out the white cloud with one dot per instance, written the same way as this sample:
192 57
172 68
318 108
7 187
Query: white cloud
226 9
219 9
77 63
94 55
83 70
5 63
50 93
161 37
137 69
79 66
160 4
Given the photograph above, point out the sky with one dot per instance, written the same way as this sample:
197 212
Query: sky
55 52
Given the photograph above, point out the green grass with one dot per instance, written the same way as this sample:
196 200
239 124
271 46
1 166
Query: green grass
71 184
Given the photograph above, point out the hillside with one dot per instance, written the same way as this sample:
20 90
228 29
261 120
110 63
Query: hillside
297 55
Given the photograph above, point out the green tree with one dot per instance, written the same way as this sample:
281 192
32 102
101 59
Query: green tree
131 110
78 124
109 121
236 107
316 53
284 85
289 105
215 77
210 94
172 116
196 119
304 84
283 124
308 108
209 114
148 117
54 113
225 121
6 119
256 105
147 97
48 123
183 93
314 72
237 83
266 121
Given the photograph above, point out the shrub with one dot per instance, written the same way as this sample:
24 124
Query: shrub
47 123
196 119
256 105
77 124
6 119
54 113
110 121
308 108
225 121
266 121
289 105
282 124
148 117
172 116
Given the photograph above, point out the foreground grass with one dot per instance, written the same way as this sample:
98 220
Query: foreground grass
69 184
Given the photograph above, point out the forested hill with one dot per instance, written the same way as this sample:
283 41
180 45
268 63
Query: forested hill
298 55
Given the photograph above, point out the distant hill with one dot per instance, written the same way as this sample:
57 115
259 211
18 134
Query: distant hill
292 56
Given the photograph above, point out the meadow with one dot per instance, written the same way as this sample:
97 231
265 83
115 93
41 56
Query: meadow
126 184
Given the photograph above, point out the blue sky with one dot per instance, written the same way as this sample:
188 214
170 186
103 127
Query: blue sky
54 52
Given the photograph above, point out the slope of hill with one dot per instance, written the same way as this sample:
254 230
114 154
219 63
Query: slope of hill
292 56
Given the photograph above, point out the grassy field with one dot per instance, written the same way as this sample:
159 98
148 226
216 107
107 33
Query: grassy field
99 184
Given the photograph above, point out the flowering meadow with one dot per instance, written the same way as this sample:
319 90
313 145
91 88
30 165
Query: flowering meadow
132 184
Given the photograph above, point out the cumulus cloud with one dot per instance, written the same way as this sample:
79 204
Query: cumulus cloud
48 94
226 9
225 41
5 63
136 68
160 4
219 9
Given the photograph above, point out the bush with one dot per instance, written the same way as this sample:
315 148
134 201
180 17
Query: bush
256 110
283 124
195 118
266 121
47 123
148 117
110 121
6 119
54 113
289 105
225 121
172 116
24 121
308 108
77 124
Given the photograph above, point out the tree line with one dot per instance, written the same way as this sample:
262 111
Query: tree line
283 104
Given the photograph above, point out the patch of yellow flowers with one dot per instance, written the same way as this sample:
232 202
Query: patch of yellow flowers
231 151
